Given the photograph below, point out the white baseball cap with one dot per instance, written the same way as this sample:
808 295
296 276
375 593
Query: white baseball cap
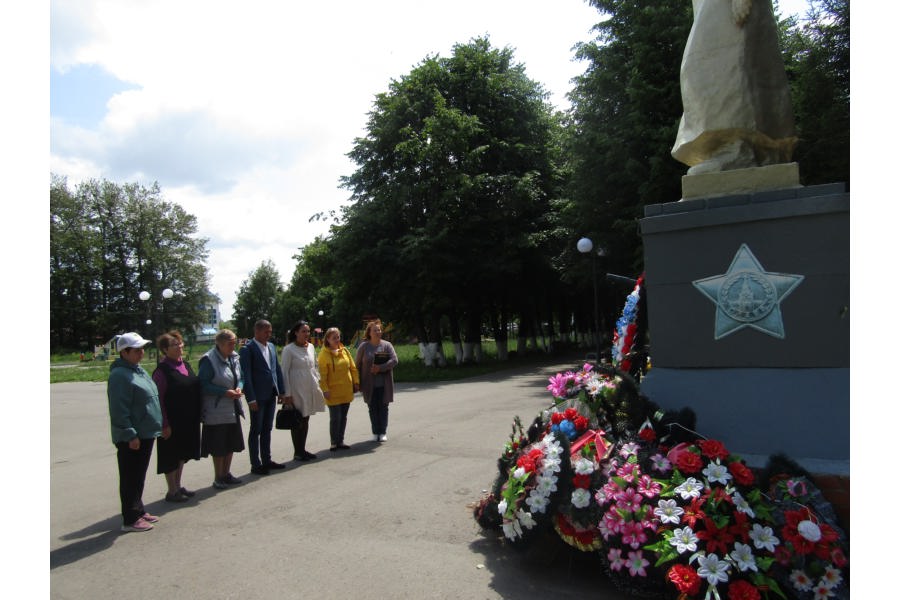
130 340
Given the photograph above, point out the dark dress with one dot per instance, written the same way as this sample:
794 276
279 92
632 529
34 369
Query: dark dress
182 401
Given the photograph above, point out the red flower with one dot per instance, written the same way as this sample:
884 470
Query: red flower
688 462
741 527
838 558
526 463
715 537
571 413
586 536
581 423
685 579
783 555
564 526
557 418
741 473
647 434
713 449
693 512
742 590
582 481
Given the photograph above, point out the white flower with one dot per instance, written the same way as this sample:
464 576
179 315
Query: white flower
743 556
501 507
668 511
691 488
763 538
554 451
714 570
581 498
716 472
822 591
742 505
684 540
551 464
809 530
832 578
512 529
593 386
801 580
546 485
537 502
525 519
584 466
520 472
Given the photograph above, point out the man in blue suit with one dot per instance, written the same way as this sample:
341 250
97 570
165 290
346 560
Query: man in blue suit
263 385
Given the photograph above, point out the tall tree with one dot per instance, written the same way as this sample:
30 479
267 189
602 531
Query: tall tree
256 299
109 242
451 188
817 58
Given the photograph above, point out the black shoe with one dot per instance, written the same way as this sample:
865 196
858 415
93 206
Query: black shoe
273 465
260 470
230 479
308 456
176 497
187 493
343 447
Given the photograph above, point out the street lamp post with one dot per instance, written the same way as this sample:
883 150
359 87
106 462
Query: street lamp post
144 296
585 245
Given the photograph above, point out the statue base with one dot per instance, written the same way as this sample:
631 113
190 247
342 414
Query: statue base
740 181
748 301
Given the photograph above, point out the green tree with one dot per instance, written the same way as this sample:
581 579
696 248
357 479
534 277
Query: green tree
109 242
256 300
450 192
817 57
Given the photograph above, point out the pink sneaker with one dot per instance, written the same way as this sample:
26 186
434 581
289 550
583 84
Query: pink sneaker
150 518
139 525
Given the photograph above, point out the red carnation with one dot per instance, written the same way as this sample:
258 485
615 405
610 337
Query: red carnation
685 579
526 463
557 418
647 434
582 481
571 413
741 473
581 423
713 449
742 590
688 462
838 558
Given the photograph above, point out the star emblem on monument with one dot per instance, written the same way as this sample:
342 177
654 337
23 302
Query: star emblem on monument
748 296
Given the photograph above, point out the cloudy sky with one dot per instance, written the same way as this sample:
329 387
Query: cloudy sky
244 112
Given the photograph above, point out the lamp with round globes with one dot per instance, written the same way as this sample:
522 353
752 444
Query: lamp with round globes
585 245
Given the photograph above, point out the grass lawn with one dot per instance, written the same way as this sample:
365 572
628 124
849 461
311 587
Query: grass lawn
69 367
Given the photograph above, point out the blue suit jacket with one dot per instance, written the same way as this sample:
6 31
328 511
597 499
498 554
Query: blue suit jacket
258 384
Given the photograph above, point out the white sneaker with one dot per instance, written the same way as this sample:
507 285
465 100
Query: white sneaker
376 438
382 438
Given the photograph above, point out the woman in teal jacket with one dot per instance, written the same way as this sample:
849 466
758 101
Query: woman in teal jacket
135 422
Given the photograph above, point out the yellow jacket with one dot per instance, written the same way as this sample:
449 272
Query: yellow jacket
338 375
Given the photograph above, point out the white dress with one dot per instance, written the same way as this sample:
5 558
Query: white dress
301 378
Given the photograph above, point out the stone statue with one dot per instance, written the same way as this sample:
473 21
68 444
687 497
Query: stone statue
737 104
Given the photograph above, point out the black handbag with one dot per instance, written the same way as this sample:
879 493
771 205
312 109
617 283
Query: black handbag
287 418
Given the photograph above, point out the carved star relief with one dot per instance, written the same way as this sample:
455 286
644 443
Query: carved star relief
748 296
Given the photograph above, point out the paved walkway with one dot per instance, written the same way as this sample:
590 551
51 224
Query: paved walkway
379 521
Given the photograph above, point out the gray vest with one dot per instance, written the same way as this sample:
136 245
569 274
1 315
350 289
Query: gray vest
219 409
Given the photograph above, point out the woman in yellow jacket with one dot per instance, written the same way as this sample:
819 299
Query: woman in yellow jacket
339 381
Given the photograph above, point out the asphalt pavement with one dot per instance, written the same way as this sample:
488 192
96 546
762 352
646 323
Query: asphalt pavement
382 520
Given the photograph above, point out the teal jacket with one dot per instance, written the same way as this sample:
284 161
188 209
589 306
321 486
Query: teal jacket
133 403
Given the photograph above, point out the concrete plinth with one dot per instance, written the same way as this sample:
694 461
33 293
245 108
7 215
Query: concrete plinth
748 304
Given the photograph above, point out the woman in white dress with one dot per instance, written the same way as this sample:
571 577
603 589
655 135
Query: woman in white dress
301 383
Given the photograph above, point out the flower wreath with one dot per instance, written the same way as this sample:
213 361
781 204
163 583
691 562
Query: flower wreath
531 488
714 525
812 560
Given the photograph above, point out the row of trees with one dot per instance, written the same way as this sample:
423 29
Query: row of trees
108 243
470 192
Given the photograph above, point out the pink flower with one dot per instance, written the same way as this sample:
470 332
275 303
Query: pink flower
648 487
633 534
627 472
636 563
629 500
615 559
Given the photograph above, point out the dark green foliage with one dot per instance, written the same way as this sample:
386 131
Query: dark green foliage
108 242
256 300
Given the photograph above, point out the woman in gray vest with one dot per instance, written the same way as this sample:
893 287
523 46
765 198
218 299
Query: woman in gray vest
220 376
